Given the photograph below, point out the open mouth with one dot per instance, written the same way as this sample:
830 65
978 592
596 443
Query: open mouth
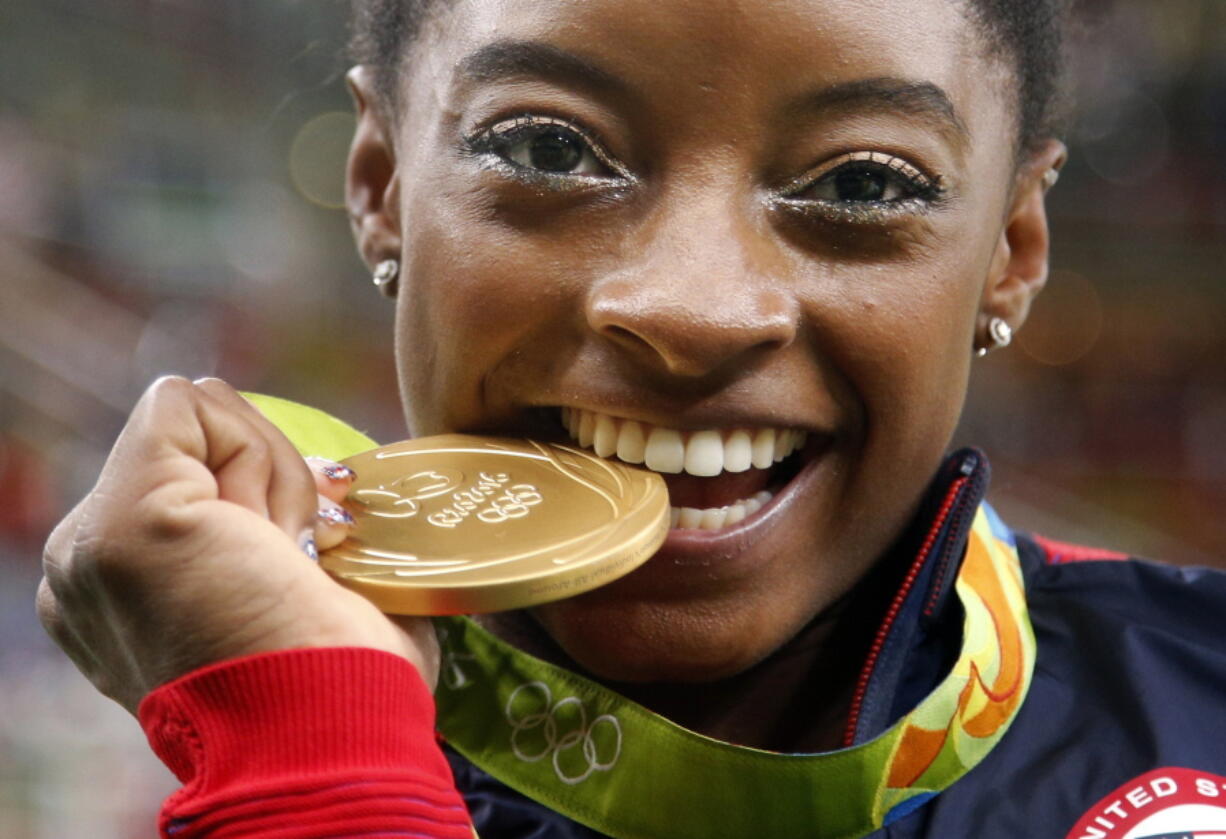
716 478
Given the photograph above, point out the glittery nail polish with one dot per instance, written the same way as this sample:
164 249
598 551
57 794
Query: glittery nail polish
339 472
335 516
308 548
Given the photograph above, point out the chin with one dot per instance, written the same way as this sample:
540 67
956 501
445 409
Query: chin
641 642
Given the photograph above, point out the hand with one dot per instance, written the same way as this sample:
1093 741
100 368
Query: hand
190 550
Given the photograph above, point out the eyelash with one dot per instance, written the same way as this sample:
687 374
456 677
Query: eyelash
497 142
919 192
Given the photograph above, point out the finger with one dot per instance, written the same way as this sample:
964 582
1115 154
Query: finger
291 495
332 524
52 618
57 553
332 480
48 609
186 446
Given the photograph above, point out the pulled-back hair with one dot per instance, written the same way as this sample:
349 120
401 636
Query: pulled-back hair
1030 32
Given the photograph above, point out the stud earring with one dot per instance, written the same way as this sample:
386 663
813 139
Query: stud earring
1050 177
385 276
999 335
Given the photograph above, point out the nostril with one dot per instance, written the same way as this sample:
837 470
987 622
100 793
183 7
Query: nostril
621 333
640 347
689 331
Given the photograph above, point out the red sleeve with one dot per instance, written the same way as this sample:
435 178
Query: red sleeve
303 744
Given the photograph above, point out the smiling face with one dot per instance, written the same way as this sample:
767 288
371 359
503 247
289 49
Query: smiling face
705 234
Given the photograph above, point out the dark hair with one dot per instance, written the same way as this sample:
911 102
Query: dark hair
378 33
1031 32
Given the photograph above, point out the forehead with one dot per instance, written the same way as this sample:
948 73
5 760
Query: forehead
730 50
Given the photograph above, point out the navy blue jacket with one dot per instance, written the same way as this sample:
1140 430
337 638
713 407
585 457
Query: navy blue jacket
1121 736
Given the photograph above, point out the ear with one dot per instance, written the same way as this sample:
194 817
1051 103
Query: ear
372 182
1019 265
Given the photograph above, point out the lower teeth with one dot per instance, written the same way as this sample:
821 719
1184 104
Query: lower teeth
715 518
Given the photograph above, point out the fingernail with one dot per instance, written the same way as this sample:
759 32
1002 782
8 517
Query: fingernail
338 471
307 543
335 515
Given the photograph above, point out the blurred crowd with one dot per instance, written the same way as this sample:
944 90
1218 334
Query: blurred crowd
170 191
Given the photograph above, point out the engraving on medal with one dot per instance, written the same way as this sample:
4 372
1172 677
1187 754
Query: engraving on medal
574 462
457 524
513 504
483 500
400 499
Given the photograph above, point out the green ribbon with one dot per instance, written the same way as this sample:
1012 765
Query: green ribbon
604 761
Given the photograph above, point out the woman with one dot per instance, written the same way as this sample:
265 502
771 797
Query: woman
797 219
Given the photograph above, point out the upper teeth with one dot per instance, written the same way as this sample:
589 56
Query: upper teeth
703 453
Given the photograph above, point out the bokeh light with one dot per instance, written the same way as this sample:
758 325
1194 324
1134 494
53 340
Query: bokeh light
1065 321
1125 136
317 158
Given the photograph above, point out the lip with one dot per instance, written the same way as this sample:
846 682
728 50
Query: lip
690 420
692 547
692 559
706 548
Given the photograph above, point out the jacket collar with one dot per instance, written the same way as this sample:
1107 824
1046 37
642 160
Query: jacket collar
918 636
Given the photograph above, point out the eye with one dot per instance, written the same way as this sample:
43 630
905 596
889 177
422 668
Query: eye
554 149
865 178
860 182
546 145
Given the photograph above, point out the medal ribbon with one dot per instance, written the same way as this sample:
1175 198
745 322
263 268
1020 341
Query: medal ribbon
607 762
602 760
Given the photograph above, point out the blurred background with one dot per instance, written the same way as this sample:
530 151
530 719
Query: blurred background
170 188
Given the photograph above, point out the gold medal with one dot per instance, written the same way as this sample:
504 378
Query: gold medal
459 524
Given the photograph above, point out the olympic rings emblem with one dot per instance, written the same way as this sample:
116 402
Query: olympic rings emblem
541 728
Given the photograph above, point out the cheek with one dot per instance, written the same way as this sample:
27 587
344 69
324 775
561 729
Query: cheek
472 297
902 335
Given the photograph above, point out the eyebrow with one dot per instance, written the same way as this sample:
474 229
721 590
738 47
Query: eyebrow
508 58
887 93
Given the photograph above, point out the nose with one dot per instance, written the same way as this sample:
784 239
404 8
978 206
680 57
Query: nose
705 291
